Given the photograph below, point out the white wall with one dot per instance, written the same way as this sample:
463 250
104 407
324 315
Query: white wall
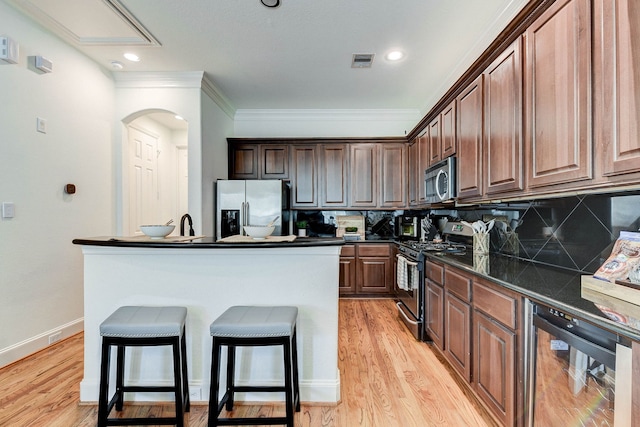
41 271
325 123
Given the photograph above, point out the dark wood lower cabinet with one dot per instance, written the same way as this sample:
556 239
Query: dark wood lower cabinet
495 367
458 334
434 314
367 269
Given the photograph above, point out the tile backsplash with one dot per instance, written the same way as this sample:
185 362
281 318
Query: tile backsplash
576 232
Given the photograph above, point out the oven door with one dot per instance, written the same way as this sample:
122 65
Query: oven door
577 380
410 298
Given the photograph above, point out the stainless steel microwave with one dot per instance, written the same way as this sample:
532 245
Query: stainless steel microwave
440 181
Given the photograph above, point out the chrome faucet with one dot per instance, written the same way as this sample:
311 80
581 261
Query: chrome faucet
186 217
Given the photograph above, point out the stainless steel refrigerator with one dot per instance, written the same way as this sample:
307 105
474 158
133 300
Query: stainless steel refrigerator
251 202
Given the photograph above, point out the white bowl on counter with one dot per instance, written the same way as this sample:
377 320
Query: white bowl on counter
259 232
157 231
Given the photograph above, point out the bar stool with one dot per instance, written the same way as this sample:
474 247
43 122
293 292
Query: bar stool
133 326
248 326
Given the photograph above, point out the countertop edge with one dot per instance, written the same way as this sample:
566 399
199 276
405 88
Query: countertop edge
205 243
599 321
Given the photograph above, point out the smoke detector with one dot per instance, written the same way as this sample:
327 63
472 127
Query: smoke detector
362 60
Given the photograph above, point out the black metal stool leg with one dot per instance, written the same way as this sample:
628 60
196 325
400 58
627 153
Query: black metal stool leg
104 384
231 378
185 375
296 378
214 408
120 378
288 381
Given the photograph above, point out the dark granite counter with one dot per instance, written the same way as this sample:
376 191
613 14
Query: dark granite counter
553 286
204 242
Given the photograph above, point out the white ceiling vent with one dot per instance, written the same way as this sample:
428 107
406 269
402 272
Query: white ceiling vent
362 60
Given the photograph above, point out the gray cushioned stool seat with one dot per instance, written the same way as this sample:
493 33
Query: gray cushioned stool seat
141 322
255 321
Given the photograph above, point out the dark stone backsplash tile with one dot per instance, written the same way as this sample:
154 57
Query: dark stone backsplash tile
576 232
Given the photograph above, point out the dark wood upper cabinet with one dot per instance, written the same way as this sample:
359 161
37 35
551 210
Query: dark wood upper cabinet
393 174
243 161
448 127
334 174
423 163
413 172
364 175
502 150
469 135
304 182
435 141
274 161
616 76
558 92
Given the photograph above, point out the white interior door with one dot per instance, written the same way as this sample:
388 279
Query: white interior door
143 179
183 181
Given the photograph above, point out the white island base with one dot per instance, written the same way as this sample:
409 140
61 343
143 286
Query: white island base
207 281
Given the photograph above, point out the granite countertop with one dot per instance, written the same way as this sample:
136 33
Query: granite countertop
201 242
556 287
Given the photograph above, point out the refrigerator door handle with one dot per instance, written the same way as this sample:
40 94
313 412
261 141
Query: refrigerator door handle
246 218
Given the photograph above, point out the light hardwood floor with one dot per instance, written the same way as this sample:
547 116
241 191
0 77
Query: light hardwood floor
388 379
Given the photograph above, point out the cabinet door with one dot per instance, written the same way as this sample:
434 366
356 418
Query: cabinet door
274 161
457 335
393 175
448 140
435 141
347 280
305 176
364 175
502 150
374 275
434 314
413 172
243 161
616 78
557 81
469 135
333 175
494 367
423 163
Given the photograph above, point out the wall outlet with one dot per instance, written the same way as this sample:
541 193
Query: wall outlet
195 394
55 337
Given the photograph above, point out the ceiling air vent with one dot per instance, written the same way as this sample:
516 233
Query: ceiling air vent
362 60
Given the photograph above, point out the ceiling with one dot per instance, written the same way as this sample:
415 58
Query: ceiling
295 56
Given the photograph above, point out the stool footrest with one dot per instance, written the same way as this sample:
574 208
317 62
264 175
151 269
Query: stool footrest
141 421
133 389
251 421
263 388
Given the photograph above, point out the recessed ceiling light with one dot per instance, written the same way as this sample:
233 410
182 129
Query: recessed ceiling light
117 65
177 117
132 57
270 3
395 55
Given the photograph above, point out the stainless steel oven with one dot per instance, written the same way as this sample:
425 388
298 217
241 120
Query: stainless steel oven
579 374
409 288
440 181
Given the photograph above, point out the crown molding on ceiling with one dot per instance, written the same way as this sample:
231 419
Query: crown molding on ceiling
182 79
410 115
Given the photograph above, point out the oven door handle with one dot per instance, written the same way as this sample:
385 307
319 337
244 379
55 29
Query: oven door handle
401 311
601 354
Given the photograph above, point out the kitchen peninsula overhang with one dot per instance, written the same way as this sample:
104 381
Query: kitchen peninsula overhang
204 242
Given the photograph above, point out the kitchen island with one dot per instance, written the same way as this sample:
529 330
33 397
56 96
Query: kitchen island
207 277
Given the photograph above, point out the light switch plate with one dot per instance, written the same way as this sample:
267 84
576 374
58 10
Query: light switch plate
41 125
8 210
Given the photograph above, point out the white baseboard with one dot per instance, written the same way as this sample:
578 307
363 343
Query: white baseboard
32 345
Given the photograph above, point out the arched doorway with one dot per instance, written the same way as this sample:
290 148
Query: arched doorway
156 163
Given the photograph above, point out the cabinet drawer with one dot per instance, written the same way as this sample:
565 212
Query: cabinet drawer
434 272
367 249
348 250
497 304
457 284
